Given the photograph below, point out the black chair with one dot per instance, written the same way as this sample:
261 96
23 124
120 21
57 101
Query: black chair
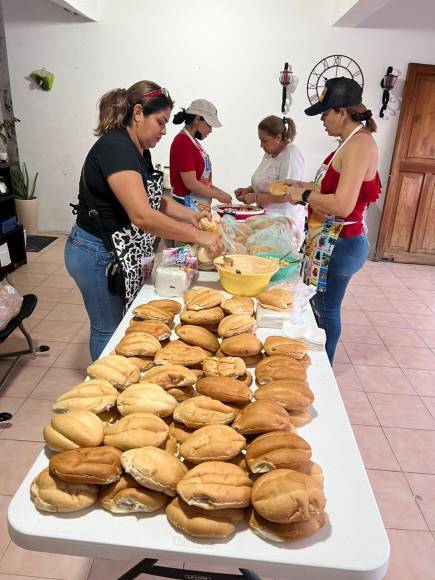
28 306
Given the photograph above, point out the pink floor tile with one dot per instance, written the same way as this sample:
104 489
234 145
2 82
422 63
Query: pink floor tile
57 281
19 561
13 472
420 321
359 333
423 487
395 500
349 302
402 270
398 294
365 292
42 308
355 316
55 257
54 330
375 379
369 354
358 408
374 447
56 382
67 312
361 279
377 304
30 278
413 358
411 307
83 334
52 294
39 268
4 536
401 411
384 279
23 380
399 336
340 354
73 297
9 405
414 449
428 336
412 555
46 359
422 381
74 356
430 404
346 377
391 319
28 422
427 296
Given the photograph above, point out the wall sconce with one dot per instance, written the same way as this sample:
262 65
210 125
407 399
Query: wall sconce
387 83
288 81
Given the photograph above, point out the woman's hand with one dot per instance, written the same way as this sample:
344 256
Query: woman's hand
222 196
303 184
249 198
212 242
294 196
198 215
240 192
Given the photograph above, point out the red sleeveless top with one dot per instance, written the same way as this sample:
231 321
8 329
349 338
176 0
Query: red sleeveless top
369 193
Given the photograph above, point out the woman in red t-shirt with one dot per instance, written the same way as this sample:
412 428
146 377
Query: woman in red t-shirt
190 165
346 183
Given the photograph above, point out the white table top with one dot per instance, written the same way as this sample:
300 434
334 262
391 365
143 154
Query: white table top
352 546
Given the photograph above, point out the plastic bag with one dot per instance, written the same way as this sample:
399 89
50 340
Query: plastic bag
10 303
277 236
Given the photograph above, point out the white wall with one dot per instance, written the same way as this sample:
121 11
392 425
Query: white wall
229 51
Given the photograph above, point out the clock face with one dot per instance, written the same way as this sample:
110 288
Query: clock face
335 65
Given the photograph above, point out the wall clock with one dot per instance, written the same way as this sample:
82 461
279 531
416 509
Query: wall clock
335 65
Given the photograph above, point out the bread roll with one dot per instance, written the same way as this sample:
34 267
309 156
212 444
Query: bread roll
169 376
283 345
212 443
94 395
284 532
171 306
75 428
110 416
285 496
142 363
136 430
138 344
150 312
262 417
216 524
154 469
202 299
216 485
228 366
181 394
300 418
224 389
146 398
127 496
236 324
252 360
291 395
200 411
155 327
202 317
242 345
197 336
118 370
313 469
51 494
276 299
180 353
239 305
94 465
179 431
277 450
246 378
279 367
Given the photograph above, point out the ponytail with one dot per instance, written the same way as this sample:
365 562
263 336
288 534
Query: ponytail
361 114
284 126
183 117
113 110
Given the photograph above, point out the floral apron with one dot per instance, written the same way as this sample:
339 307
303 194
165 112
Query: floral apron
193 201
323 233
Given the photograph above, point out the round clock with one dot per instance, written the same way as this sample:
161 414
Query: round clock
335 65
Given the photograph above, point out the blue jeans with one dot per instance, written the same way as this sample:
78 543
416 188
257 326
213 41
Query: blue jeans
86 260
347 258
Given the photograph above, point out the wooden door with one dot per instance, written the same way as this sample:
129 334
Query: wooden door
407 230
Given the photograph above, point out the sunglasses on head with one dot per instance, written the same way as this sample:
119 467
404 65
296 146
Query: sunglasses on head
157 93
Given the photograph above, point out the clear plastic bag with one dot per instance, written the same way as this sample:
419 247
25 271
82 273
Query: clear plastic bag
273 235
10 303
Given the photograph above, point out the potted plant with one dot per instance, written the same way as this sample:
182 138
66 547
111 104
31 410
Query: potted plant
25 200
7 131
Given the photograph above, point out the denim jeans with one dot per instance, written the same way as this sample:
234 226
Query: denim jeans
86 260
347 258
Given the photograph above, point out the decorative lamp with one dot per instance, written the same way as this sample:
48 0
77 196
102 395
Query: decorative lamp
387 83
288 81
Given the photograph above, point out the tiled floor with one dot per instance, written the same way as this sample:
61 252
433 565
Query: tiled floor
385 367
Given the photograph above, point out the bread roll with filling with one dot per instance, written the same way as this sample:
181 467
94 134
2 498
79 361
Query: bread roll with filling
51 494
277 450
285 532
127 496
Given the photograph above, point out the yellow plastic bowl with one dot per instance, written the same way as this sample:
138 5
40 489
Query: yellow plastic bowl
255 274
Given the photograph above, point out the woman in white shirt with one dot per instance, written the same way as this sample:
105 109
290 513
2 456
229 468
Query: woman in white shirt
281 160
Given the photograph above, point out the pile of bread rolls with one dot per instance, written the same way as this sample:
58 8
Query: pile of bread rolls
176 424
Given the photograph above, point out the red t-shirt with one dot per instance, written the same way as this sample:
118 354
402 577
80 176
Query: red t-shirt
369 192
184 156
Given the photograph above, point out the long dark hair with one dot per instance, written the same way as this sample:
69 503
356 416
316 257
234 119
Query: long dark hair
360 114
183 117
116 106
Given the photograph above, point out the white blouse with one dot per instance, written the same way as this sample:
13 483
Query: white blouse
289 164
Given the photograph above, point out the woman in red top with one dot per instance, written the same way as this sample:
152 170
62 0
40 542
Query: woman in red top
347 182
190 165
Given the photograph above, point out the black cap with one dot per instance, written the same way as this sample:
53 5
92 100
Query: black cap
338 92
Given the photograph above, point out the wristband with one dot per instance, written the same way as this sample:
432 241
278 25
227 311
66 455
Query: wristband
305 195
